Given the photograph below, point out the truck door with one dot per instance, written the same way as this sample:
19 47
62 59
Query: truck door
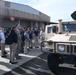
50 31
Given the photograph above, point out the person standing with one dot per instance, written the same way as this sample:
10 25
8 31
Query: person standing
31 38
22 42
13 46
27 40
36 35
11 40
19 40
42 36
2 42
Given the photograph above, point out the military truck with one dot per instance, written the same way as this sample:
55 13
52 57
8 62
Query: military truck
61 38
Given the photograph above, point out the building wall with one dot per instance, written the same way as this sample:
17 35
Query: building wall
7 22
22 11
2 3
23 14
24 8
20 7
24 24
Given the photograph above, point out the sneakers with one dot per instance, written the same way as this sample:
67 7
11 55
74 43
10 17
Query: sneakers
31 47
4 56
13 62
37 47
27 51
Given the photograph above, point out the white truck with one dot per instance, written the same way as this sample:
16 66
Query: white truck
62 41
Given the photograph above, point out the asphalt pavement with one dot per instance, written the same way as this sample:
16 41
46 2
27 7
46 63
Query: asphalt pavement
33 63
38 66
5 66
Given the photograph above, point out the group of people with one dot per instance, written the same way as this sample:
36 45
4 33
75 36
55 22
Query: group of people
15 36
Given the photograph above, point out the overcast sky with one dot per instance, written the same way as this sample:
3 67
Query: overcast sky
56 9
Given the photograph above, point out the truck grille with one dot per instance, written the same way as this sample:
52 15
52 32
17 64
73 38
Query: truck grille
62 47
69 49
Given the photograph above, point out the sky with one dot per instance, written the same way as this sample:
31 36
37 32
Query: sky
56 9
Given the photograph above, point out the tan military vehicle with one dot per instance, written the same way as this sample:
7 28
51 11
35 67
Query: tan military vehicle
61 39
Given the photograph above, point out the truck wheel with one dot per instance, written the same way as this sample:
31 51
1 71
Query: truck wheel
53 62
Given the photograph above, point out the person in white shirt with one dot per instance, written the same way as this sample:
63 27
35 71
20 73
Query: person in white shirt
42 35
27 40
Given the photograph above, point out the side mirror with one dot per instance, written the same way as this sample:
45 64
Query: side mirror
73 15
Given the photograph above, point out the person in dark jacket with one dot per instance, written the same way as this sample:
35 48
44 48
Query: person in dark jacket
11 40
36 35
13 46
8 37
31 38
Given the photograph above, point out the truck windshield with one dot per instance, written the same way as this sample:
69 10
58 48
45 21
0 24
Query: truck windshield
69 27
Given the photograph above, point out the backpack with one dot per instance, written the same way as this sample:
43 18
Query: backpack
8 37
26 36
0 38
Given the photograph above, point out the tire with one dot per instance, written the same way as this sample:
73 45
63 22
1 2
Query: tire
53 62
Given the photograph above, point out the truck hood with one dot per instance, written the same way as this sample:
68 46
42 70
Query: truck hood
63 38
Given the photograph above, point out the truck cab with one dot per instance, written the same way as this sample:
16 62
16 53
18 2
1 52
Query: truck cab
61 30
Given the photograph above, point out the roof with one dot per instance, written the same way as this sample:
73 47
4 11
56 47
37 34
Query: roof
69 22
53 23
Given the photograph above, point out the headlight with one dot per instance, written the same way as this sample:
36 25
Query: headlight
61 48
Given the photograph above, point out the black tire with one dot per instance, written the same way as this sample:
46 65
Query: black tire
53 62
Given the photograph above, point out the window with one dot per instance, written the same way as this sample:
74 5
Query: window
55 29
7 4
52 29
69 27
49 30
